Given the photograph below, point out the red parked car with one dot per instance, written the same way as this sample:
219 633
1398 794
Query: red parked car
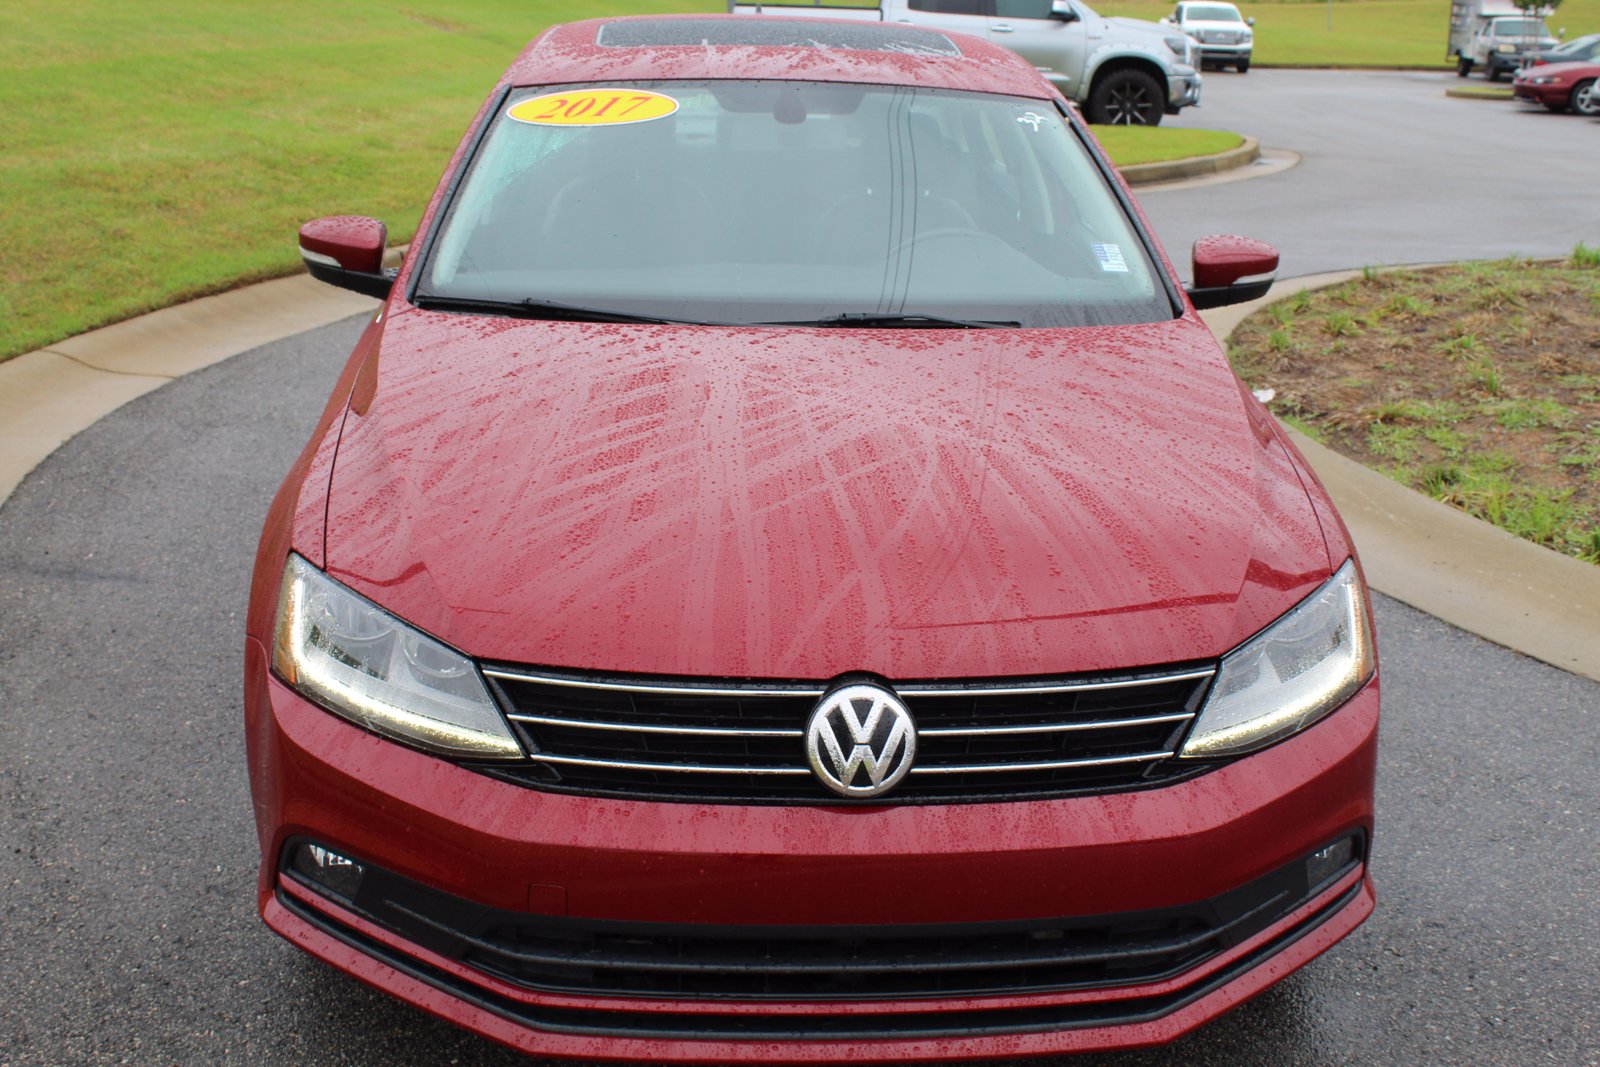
1560 86
786 575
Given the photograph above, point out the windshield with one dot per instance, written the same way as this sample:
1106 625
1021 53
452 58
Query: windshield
1204 13
1520 28
768 202
1581 44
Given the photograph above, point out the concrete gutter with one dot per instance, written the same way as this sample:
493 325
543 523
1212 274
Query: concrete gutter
48 396
1462 570
1193 167
1437 559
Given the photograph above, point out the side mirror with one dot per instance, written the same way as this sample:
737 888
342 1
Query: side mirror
347 251
1060 9
1251 21
1231 270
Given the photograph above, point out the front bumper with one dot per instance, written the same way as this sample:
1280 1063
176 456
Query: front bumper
1225 52
1183 89
514 850
1503 62
1548 95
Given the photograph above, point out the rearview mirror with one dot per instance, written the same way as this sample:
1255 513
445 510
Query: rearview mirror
1231 270
347 251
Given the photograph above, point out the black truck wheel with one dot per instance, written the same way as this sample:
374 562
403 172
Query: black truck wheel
1126 97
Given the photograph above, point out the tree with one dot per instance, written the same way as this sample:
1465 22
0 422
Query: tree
1535 9
1539 8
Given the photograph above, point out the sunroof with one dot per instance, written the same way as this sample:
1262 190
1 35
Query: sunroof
775 33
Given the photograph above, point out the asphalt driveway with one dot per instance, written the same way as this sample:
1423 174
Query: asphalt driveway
127 924
1391 171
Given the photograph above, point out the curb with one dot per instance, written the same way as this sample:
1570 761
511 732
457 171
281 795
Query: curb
1194 166
50 395
1457 568
1480 94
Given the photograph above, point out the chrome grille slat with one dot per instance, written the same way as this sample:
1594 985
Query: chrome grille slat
680 739
657 688
691 731
999 731
1048 689
669 768
757 691
1053 765
970 731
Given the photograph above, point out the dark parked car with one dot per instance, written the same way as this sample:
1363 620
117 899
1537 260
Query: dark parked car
1577 50
1560 86
787 575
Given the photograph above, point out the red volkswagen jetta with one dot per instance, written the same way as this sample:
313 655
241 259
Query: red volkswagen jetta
786 575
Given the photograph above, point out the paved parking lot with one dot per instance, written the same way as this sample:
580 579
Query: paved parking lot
1391 171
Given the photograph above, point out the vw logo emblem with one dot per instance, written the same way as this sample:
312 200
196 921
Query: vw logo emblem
861 741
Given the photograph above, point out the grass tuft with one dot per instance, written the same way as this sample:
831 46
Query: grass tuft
1486 376
1460 346
1341 324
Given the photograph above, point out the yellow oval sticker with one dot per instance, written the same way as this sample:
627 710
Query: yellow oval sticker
594 107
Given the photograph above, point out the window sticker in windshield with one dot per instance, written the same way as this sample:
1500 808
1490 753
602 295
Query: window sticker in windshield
593 107
1110 257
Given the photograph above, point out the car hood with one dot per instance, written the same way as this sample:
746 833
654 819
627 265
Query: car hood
1153 30
1583 69
793 503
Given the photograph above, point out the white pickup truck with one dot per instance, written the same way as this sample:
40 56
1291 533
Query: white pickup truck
1120 71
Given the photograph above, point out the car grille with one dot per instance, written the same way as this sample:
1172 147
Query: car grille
838 963
1219 36
689 740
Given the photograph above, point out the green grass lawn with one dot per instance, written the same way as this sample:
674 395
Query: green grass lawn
156 152
159 152
1130 145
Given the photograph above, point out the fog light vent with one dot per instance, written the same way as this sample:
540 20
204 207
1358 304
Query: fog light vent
1326 862
330 871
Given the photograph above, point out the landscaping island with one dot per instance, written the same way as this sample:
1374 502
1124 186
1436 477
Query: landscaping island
1477 384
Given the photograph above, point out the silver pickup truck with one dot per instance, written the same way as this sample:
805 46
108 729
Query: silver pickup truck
1120 71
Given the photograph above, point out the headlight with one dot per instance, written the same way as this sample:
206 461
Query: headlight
1246 37
1289 675
358 661
1543 79
1177 45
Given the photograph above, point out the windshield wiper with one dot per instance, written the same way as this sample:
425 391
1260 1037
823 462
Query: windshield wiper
547 309
889 319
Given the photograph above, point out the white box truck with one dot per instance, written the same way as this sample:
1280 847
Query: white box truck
1120 71
1493 34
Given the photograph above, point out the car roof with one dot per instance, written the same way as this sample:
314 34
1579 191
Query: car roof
695 47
